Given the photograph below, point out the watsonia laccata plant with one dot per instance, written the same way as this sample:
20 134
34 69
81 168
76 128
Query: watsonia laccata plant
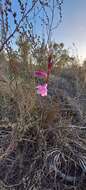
42 89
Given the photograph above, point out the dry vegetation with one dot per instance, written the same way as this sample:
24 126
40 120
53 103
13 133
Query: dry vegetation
42 139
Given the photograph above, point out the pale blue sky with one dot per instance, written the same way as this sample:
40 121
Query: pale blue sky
73 27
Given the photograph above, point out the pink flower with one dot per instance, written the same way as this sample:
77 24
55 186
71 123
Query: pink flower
40 74
42 89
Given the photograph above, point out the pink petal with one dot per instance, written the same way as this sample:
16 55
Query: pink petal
44 94
40 74
42 90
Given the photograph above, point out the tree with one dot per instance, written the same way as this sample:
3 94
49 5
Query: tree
24 20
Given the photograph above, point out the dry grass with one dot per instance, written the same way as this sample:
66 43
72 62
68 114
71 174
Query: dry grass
42 149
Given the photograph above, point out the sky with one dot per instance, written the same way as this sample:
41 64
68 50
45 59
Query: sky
72 30
73 27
